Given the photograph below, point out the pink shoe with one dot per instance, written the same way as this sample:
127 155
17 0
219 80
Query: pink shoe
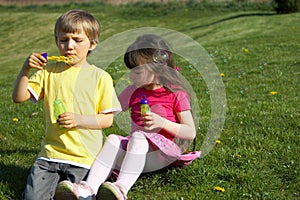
111 191
73 191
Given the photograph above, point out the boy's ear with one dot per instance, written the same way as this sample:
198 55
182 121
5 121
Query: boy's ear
93 45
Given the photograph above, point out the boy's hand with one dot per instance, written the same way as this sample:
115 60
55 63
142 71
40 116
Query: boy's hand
67 120
35 60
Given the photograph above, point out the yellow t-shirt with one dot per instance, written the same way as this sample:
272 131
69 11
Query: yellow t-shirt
85 91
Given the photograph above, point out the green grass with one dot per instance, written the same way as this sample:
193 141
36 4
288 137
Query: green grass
257 51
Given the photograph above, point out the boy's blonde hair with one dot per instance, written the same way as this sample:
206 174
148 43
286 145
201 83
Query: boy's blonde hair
74 21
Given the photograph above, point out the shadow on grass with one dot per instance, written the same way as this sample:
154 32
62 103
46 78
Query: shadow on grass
231 18
224 20
14 176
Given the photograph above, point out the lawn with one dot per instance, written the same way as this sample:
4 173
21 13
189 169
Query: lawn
256 53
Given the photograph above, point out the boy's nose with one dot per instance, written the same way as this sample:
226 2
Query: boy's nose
70 44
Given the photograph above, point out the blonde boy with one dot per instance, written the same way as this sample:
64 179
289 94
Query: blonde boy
72 140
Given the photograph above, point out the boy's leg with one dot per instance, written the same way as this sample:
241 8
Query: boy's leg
69 175
72 173
41 182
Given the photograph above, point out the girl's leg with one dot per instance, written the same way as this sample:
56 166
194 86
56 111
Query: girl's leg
104 163
157 160
134 161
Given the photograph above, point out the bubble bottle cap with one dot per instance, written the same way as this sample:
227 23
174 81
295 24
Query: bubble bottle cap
45 55
144 99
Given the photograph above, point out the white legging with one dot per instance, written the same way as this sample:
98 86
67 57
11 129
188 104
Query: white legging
139 157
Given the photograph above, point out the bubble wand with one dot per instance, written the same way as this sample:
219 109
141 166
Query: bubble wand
58 58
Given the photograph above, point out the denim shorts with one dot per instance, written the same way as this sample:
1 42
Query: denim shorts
44 177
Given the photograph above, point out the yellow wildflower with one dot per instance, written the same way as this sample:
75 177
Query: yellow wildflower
219 189
222 74
246 50
273 92
15 119
218 141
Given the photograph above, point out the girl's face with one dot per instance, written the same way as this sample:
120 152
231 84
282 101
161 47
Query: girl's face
75 45
141 76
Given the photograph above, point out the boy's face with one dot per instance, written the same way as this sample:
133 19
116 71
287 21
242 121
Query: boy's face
75 45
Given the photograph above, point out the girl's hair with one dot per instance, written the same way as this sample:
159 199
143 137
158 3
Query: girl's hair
147 46
74 21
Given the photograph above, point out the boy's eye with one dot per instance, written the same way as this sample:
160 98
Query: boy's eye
78 40
62 39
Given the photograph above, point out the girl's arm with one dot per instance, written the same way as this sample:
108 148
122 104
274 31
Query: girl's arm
20 92
185 129
70 120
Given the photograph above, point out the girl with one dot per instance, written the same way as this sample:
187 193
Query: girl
151 145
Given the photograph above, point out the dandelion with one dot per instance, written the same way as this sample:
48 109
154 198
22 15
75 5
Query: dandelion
222 74
238 156
15 119
246 50
218 141
273 92
219 189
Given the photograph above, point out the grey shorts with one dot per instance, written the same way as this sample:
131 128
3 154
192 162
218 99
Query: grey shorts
44 177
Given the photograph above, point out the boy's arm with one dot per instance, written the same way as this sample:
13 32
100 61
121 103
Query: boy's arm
20 92
99 121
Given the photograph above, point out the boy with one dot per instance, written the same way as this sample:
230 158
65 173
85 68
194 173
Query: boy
72 140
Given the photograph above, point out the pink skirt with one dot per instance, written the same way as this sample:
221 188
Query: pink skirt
167 147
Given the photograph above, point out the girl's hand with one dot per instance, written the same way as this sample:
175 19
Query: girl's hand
35 60
67 120
152 121
185 129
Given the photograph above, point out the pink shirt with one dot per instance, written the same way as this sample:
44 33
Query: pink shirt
161 101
